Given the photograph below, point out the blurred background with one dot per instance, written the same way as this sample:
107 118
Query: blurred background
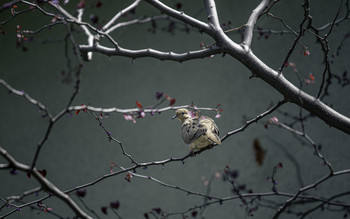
78 151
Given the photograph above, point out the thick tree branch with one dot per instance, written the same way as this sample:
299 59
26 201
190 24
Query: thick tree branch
179 57
212 14
49 186
90 37
249 27
135 110
293 94
258 68
288 90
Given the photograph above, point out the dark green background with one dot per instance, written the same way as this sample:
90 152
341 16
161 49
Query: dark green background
78 151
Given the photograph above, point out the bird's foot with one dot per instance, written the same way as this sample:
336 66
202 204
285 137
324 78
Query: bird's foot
192 153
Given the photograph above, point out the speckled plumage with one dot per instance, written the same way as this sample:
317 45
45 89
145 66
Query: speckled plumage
197 132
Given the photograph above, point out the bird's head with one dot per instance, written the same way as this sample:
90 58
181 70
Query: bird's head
181 114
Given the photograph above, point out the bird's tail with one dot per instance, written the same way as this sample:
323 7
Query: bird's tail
214 138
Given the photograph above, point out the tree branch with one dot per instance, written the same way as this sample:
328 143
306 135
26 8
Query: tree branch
135 110
180 57
212 15
180 15
301 32
136 21
50 187
26 96
326 51
189 192
291 93
256 119
119 14
308 187
315 146
249 27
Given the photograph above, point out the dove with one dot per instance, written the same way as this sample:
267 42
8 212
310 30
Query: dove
198 132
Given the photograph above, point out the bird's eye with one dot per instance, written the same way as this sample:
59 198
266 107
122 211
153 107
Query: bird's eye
183 113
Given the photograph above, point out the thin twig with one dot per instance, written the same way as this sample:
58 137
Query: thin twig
301 32
256 119
111 138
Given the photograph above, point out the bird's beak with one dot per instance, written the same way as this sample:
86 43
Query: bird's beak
174 117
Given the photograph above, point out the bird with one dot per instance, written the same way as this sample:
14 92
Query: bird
198 132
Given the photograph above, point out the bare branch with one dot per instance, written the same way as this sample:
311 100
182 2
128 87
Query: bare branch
189 192
29 98
284 23
294 94
118 15
301 32
308 187
134 110
15 14
320 206
136 21
282 201
24 194
256 119
69 18
248 35
50 187
258 68
110 137
87 33
326 51
315 146
25 205
41 143
201 26
212 14
48 26
180 57
76 90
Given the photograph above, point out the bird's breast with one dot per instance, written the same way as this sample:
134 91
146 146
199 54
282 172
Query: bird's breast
200 142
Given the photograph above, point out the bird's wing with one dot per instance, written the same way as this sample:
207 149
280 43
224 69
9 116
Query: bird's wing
191 129
213 130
